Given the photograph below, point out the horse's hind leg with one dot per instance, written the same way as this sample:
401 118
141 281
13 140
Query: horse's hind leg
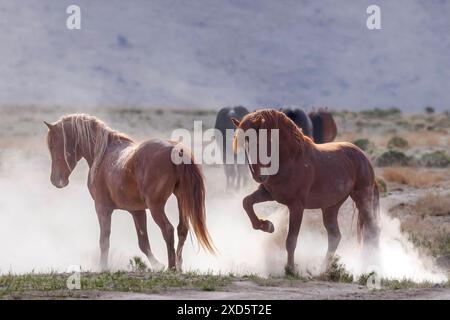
230 173
182 230
140 222
242 176
158 214
330 221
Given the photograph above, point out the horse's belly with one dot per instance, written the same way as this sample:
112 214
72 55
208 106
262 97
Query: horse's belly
326 195
126 195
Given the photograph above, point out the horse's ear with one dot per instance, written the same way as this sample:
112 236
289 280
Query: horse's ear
235 122
49 125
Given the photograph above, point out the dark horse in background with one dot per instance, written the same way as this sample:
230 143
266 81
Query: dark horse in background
301 119
318 125
134 177
324 126
311 176
236 174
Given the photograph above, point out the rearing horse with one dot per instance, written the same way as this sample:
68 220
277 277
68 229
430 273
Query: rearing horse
133 177
311 176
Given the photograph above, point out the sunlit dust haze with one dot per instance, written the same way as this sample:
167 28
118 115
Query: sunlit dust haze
46 229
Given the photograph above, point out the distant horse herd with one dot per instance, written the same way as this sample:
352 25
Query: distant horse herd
314 173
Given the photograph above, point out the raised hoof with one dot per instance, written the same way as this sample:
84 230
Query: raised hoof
267 226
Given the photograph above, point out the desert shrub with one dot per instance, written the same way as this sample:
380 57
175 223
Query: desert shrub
382 186
419 126
438 159
364 144
397 143
137 265
381 113
429 110
444 243
336 272
393 158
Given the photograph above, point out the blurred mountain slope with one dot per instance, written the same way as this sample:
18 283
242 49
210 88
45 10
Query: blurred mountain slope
201 53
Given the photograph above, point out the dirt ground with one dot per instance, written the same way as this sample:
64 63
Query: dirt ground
248 290
22 131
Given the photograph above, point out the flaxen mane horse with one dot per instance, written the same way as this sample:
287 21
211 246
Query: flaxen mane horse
133 177
312 176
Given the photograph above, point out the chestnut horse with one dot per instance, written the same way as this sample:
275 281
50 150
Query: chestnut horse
133 177
311 176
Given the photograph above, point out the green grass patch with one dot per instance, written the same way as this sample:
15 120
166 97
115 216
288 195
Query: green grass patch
112 281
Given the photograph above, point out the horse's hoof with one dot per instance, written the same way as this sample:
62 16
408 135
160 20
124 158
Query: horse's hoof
267 226
290 271
158 266
179 265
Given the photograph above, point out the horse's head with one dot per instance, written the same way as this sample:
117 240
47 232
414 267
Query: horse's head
256 134
62 147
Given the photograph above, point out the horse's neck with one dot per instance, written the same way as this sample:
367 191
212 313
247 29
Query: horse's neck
87 152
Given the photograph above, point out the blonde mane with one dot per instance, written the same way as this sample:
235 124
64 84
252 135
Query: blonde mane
91 135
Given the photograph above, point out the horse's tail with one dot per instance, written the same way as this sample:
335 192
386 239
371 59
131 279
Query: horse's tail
190 192
375 215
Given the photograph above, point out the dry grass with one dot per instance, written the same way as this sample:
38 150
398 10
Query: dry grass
412 177
427 139
433 204
424 222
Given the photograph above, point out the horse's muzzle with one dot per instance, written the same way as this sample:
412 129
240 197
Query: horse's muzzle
60 183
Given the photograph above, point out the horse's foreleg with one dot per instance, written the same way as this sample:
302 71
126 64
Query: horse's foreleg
104 219
330 221
167 230
140 222
295 221
260 195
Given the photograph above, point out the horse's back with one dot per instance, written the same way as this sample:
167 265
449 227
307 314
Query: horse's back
153 166
349 156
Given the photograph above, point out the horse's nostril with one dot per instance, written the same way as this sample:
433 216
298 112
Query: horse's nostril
63 182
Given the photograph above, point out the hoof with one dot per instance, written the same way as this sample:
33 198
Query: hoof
267 226
290 271
179 265
158 266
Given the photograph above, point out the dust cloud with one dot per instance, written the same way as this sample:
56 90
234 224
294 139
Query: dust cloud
45 229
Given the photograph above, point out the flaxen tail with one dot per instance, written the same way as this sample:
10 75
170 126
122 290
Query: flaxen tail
190 192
